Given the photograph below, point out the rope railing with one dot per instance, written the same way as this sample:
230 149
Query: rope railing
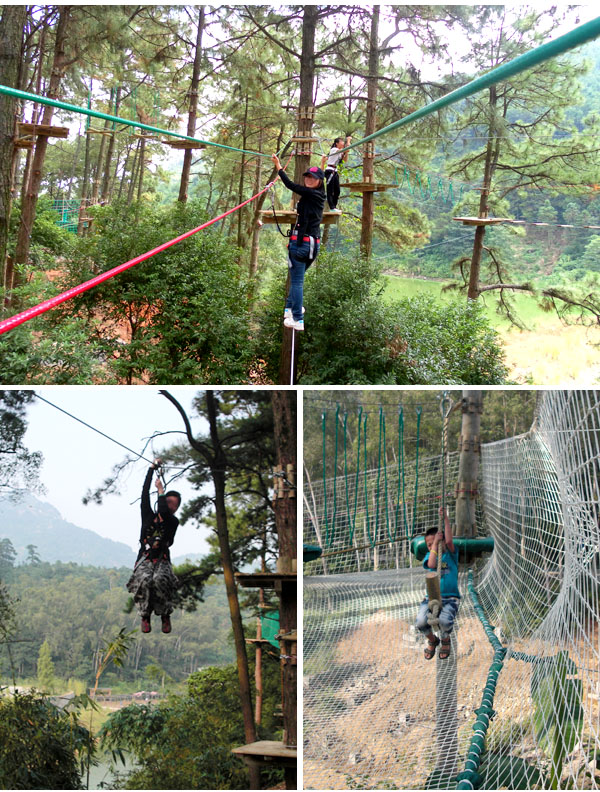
53 302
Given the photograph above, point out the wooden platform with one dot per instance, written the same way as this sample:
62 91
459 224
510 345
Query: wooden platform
24 143
267 752
481 221
94 131
264 579
363 187
184 144
43 129
289 217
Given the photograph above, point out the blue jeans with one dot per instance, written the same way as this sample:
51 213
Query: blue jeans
446 616
300 256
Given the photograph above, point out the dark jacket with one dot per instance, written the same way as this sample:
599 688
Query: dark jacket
310 207
158 528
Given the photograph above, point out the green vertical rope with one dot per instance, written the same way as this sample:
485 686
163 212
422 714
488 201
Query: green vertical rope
324 428
401 467
360 409
335 467
385 485
414 516
378 477
365 475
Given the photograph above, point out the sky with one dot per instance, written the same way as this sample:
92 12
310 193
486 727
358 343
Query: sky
77 459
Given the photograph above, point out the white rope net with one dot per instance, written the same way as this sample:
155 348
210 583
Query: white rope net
376 713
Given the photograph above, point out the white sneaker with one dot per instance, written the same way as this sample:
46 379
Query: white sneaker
335 211
287 313
291 322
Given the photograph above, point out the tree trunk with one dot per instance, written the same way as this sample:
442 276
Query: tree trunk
287 370
142 164
284 506
218 476
368 199
11 36
240 214
191 128
468 463
86 173
491 156
29 206
133 178
100 160
106 181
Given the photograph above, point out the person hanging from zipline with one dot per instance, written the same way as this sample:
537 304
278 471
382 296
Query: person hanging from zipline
153 582
330 164
448 587
303 247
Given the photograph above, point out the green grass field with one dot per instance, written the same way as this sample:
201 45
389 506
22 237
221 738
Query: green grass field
546 353
526 307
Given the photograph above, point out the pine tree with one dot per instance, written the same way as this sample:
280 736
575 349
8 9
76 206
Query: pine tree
45 668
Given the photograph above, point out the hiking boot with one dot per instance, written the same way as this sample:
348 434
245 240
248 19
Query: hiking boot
295 325
146 626
166 624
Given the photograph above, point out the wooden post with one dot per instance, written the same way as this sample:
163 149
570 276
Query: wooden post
366 236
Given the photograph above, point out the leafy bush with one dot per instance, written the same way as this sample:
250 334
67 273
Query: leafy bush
179 317
353 337
41 747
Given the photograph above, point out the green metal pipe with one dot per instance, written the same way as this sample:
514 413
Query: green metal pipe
580 35
31 97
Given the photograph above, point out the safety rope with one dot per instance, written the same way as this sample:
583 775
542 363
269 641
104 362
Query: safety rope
53 302
401 471
292 357
367 521
98 431
324 430
335 466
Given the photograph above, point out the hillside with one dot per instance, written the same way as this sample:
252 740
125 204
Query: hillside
31 521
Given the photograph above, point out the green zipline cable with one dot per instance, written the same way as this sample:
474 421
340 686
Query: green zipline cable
414 516
580 35
31 97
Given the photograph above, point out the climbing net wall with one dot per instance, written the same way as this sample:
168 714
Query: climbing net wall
516 704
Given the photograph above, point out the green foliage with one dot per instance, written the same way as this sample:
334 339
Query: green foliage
45 668
181 316
558 715
186 742
48 239
353 336
79 609
41 747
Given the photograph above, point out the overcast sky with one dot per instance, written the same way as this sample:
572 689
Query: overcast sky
77 459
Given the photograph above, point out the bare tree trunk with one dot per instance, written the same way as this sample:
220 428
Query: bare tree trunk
216 459
306 99
240 214
192 114
142 164
133 179
11 37
29 206
368 199
491 157
106 181
100 160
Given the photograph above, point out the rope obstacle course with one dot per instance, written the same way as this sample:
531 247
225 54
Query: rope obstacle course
576 37
521 714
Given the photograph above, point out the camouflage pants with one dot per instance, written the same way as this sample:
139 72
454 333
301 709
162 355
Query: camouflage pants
153 586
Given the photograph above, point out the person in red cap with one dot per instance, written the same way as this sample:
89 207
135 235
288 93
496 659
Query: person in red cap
303 247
